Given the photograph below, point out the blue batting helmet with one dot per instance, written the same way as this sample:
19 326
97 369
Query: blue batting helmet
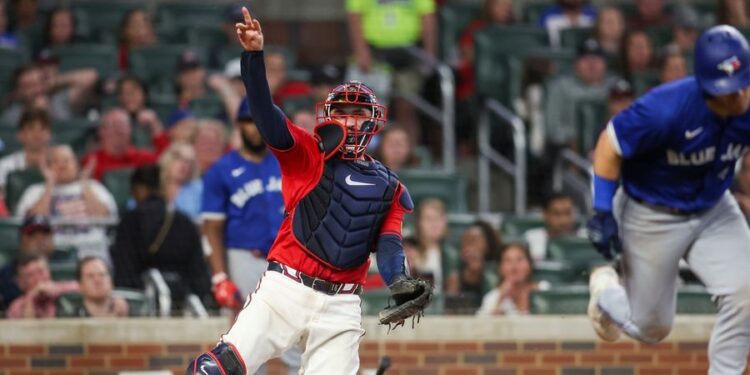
722 61
243 112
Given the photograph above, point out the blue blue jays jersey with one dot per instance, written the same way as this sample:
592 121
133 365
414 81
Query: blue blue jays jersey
676 152
248 196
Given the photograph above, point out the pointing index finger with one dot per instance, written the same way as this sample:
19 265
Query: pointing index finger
246 15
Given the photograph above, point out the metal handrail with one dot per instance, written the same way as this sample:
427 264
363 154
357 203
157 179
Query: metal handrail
559 177
156 287
487 154
446 115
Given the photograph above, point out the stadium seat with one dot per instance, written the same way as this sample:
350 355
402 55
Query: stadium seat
574 36
9 245
17 183
63 272
498 76
175 16
532 10
660 35
10 60
158 64
556 273
205 36
76 133
453 19
227 54
102 19
374 301
591 117
576 252
101 57
68 304
118 183
515 226
296 103
643 82
694 299
163 105
8 139
571 299
208 106
449 188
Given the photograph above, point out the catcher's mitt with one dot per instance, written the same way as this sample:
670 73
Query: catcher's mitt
411 296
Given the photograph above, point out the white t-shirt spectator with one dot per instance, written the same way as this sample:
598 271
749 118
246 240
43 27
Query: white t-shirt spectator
67 203
506 307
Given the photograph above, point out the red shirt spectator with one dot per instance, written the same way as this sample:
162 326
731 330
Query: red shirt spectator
115 149
40 292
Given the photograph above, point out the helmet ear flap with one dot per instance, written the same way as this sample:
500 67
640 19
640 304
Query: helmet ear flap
331 136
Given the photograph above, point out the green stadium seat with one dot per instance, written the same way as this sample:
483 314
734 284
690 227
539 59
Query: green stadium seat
498 76
227 54
374 301
77 134
571 299
163 105
515 226
17 183
694 299
68 304
118 183
158 64
573 37
532 10
63 272
10 60
643 82
205 36
660 35
591 117
101 20
295 103
9 245
576 252
101 57
207 106
141 137
556 273
449 188
453 18
8 139
175 16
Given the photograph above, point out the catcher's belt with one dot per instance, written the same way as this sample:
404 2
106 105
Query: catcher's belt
320 285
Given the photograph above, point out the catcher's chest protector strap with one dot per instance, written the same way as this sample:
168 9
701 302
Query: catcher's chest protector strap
339 220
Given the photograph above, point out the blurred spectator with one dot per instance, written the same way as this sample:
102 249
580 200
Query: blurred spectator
741 186
35 238
70 196
589 82
638 54
431 229
323 79
39 291
191 79
34 135
381 32
132 96
649 13
153 235
136 31
210 143
180 180
566 14
609 30
621 95
559 221
227 92
60 28
95 280
411 251
181 125
25 14
7 38
394 149
672 66
732 12
115 150
511 296
276 75
305 119
233 72
63 95
497 12
686 29
479 246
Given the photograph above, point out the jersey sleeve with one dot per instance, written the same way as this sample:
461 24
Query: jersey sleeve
643 126
214 198
395 217
301 161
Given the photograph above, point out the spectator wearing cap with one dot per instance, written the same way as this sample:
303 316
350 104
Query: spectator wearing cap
40 293
731 12
136 31
115 149
323 79
590 81
649 13
8 40
153 235
63 95
35 238
34 134
564 15
69 195
132 96
685 30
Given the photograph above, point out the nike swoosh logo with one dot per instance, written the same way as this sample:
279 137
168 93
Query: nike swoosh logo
690 134
238 171
351 182
203 369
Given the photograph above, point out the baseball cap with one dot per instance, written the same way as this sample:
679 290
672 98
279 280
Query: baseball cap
233 69
188 60
35 223
243 112
177 116
621 89
326 74
590 46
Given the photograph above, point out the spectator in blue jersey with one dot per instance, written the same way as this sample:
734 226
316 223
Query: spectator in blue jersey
242 209
566 14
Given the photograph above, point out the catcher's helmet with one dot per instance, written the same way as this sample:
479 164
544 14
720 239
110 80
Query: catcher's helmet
722 61
359 129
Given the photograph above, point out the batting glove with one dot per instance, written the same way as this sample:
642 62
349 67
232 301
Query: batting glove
603 234
226 293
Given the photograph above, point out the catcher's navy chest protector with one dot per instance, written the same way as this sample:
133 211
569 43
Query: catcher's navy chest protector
339 220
